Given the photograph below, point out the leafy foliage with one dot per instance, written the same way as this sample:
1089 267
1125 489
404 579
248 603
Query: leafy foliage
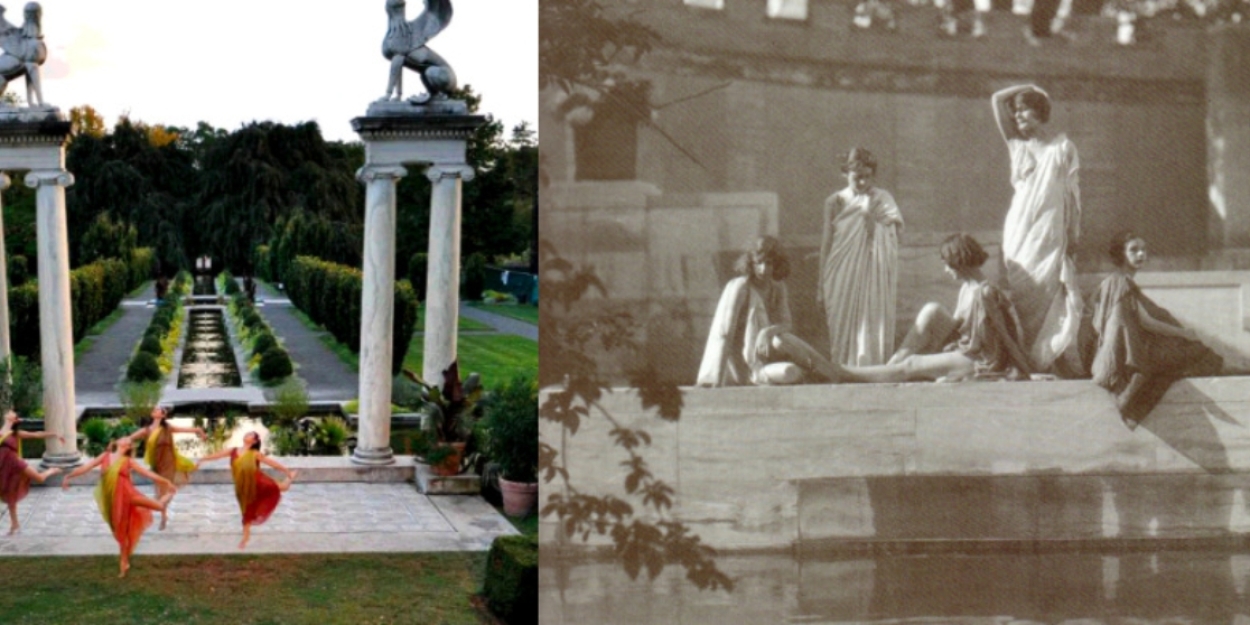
21 388
569 334
510 426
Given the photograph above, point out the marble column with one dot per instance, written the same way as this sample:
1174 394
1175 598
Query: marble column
5 347
442 309
55 320
1228 135
377 315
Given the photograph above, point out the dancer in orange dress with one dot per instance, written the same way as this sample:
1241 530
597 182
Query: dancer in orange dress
161 454
127 511
257 493
15 474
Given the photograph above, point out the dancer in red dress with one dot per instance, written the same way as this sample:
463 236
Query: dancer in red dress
15 474
127 511
257 493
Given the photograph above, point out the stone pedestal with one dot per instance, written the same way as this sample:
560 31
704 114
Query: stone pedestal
393 142
38 147
1228 135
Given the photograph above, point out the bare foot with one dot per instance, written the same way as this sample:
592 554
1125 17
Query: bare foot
47 474
14 528
285 484
125 568
242 543
164 520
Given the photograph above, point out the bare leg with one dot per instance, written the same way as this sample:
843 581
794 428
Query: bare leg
807 357
162 491
247 534
952 365
933 325
13 524
40 477
150 504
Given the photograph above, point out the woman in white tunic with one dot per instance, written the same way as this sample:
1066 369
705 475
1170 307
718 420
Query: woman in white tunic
1041 230
859 266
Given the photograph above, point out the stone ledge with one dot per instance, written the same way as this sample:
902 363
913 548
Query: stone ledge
430 484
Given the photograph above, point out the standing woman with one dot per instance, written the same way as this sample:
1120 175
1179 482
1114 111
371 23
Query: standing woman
127 512
161 454
15 474
257 493
1041 230
859 265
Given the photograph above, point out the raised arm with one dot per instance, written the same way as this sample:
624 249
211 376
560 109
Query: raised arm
1158 327
1003 116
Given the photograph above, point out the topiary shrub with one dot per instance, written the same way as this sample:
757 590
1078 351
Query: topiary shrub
473 277
275 364
151 345
511 587
263 342
143 368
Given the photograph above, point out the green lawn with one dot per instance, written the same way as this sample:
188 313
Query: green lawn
497 357
527 313
463 323
318 589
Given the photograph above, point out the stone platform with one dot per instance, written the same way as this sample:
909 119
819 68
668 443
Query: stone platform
922 465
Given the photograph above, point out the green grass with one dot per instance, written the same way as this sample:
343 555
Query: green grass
463 323
270 589
527 312
498 357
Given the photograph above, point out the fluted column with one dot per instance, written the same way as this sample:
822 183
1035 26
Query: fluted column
377 318
6 348
56 329
442 308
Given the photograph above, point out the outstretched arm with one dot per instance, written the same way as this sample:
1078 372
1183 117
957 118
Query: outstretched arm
275 464
45 434
139 433
81 470
221 454
196 431
1158 327
148 473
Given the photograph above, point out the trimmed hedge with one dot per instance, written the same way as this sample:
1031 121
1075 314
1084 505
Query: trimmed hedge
330 294
263 342
511 587
95 291
275 364
150 344
143 368
473 277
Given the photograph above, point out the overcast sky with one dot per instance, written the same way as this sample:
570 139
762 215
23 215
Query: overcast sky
228 62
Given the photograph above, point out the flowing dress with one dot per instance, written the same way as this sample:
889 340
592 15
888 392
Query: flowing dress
731 356
257 493
163 457
115 495
14 483
1045 210
859 276
1135 364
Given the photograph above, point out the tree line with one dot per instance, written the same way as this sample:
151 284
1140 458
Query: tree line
187 193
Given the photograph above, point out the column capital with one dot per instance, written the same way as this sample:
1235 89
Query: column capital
439 171
369 173
5 181
49 177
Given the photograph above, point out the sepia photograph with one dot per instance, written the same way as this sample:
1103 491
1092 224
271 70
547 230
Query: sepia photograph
894 311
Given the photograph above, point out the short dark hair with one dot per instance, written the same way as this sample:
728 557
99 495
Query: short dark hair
962 253
1118 242
859 158
1035 100
764 247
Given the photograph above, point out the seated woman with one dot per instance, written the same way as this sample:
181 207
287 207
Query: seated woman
1142 348
980 340
750 340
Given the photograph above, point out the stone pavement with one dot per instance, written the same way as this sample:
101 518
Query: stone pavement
505 325
312 518
98 370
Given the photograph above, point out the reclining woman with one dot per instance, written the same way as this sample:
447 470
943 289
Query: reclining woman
979 340
750 340
1142 348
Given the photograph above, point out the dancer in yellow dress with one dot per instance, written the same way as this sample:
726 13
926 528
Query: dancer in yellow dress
162 456
258 494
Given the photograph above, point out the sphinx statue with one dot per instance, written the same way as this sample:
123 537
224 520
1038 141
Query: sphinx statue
23 53
405 46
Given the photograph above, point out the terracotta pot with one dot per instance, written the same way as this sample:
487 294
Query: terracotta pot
451 464
518 497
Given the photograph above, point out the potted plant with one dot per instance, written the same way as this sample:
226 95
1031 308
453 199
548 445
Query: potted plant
510 438
451 414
